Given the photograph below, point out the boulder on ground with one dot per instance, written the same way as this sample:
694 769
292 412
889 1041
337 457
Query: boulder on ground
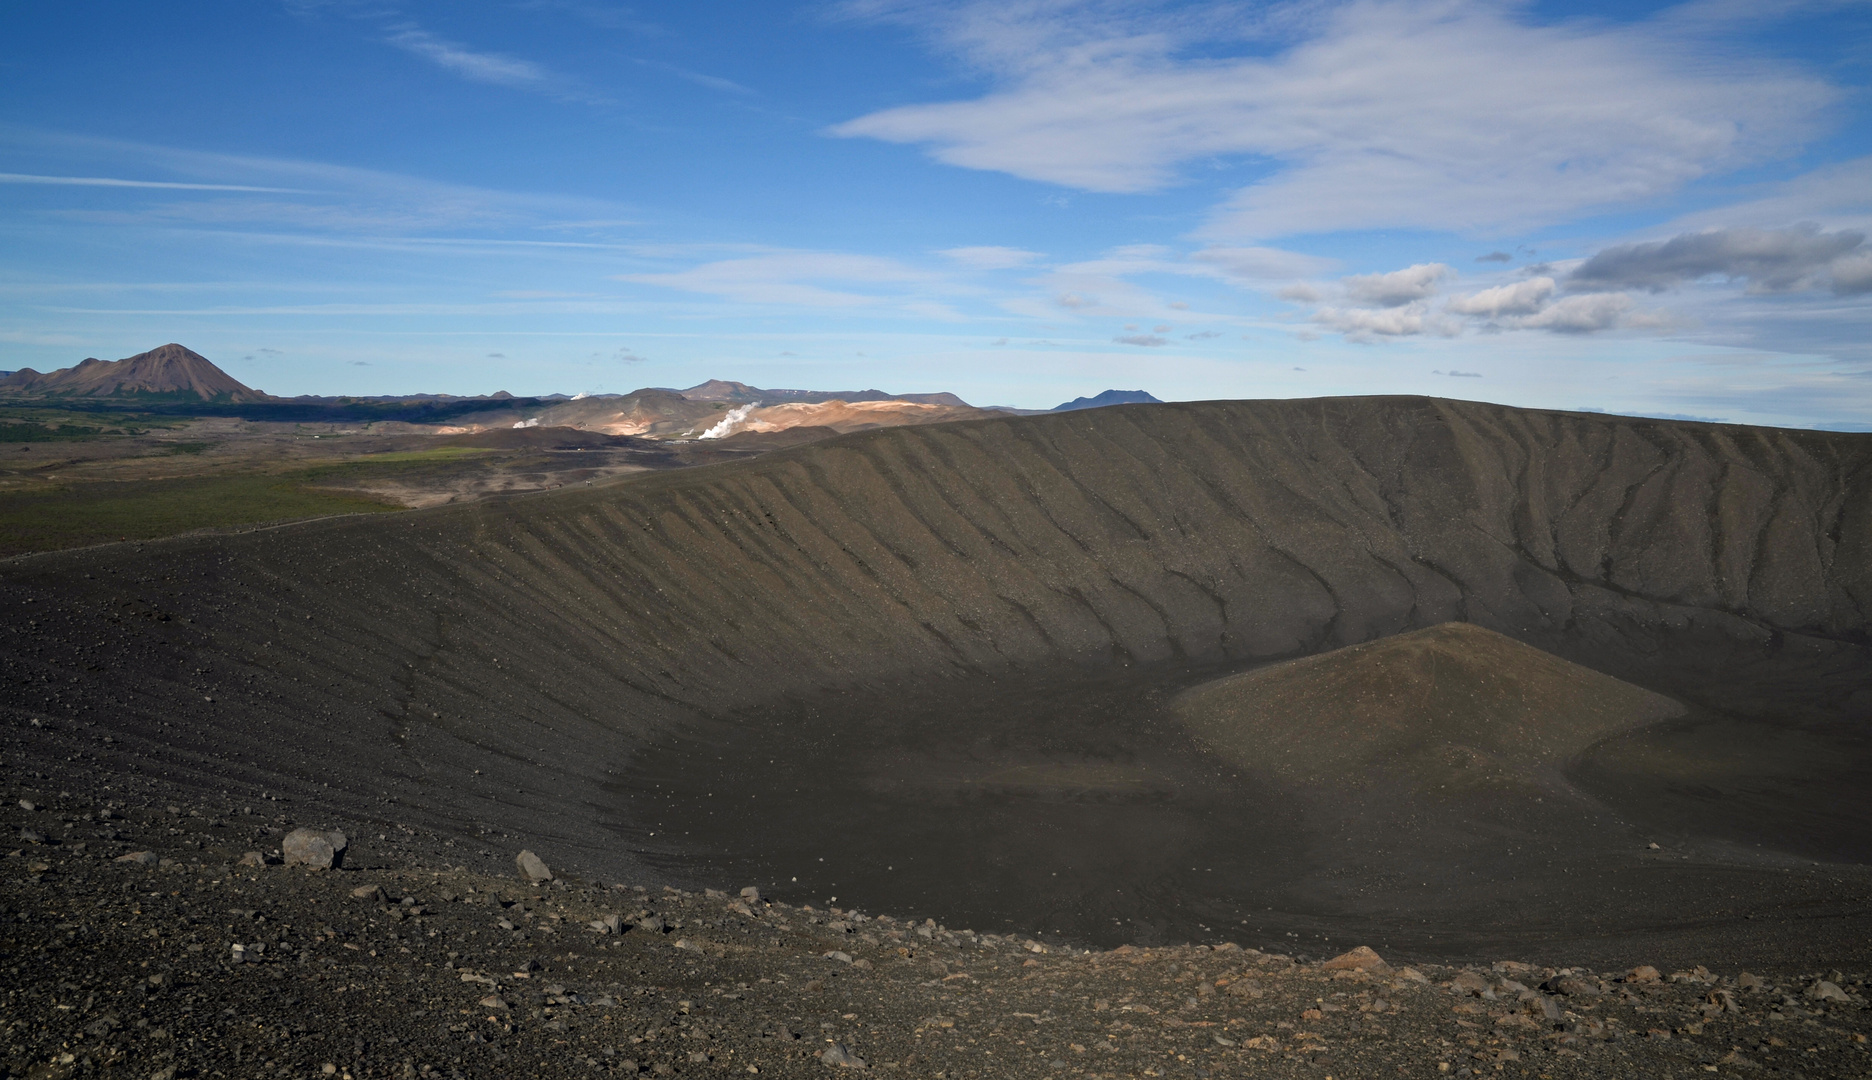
532 867
316 848
369 892
141 858
1826 990
1359 959
840 1054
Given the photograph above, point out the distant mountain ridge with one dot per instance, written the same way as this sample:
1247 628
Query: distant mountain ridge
168 370
740 393
1109 397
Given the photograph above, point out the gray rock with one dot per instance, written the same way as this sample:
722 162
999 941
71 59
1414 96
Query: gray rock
252 858
370 892
840 955
1572 986
840 1054
141 858
28 805
532 867
1468 982
751 895
31 836
652 924
318 849
1746 981
1823 990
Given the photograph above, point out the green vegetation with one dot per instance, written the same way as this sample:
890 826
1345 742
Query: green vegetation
98 513
18 433
404 464
37 423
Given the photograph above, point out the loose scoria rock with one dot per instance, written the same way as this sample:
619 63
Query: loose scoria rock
1361 959
839 1054
314 848
532 867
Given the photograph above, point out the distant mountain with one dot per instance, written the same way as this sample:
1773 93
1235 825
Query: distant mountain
739 393
170 371
1109 397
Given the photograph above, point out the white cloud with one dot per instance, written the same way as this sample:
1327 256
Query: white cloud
219 190
1579 314
1518 298
1262 263
107 181
1839 195
799 278
990 257
1398 287
1140 339
1366 324
1445 114
479 66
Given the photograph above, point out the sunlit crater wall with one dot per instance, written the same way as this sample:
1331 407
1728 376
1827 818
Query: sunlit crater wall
537 638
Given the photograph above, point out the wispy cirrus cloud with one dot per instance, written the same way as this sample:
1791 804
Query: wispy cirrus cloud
484 67
818 279
991 258
333 203
168 185
1446 114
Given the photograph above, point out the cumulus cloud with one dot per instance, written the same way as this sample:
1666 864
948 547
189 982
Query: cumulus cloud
1770 260
1398 287
991 258
1519 298
1445 114
1367 324
1399 305
1579 314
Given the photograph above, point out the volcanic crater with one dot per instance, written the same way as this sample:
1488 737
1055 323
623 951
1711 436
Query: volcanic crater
1447 678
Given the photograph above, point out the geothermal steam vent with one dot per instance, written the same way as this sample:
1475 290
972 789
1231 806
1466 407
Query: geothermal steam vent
1450 706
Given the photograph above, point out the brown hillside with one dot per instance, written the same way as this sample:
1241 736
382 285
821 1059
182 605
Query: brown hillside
1432 702
170 369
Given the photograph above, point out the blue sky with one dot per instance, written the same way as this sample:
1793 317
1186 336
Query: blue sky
1657 209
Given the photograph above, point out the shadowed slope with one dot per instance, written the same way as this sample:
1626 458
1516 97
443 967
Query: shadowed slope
544 641
1445 705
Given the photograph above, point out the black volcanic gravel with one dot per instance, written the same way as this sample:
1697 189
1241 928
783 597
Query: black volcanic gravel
116 968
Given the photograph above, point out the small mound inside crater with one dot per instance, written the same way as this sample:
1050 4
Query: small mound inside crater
1453 705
